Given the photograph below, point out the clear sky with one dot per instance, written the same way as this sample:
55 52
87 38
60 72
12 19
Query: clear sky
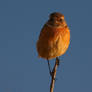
20 24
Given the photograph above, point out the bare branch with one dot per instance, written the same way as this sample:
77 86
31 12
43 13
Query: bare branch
54 75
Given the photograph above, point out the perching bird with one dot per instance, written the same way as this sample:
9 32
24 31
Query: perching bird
54 37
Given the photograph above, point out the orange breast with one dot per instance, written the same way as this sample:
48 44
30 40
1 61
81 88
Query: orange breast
53 42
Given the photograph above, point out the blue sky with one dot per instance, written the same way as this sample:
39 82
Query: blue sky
20 24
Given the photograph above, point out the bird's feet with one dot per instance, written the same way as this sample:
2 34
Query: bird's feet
57 61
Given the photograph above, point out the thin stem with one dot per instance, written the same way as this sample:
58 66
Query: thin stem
49 68
54 75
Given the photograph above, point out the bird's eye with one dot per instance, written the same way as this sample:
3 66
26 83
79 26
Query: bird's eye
60 20
51 19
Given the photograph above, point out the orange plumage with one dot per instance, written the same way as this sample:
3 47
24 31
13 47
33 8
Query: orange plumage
54 38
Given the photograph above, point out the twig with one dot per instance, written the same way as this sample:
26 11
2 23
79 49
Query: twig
49 68
54 75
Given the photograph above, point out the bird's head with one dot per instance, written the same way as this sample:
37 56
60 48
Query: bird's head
56 20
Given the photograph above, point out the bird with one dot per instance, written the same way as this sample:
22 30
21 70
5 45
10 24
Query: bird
54 38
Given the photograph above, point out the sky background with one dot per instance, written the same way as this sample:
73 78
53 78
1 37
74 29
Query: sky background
20 68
